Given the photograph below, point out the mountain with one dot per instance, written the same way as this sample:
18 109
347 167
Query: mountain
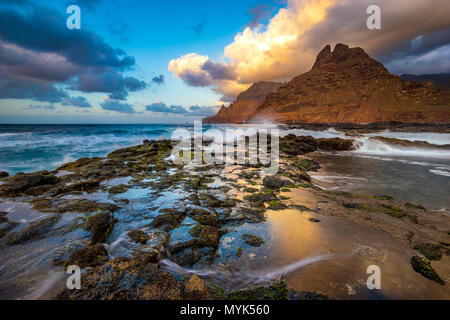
347 86
245 104
440 80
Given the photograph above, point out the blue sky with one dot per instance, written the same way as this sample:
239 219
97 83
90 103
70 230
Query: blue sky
144 61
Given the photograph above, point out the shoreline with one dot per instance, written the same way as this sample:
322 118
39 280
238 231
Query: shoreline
191 228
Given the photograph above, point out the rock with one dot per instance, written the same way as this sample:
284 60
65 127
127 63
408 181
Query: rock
430 250
335 144
29 184
276 182
83 186
138 236
196 289
36 230
423 266
88 257
275 291
118 189
126 279
169 220
204 217
205 236
100 225
4 174
252 240
297 145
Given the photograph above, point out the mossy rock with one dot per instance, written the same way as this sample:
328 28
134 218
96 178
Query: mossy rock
100 225
275 291
239 252
118 189
382 197
359 206
423 266
138 236
252 240
277 205
88 257
169 220
430 250
415 206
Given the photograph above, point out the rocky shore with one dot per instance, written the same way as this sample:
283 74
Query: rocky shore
168 212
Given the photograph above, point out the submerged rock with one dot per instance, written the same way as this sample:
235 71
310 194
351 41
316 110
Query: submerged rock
196 289
100 225
35 231
423 266
252 240
276 182
88 257
138 236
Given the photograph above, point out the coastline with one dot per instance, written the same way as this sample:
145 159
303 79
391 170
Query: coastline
161 210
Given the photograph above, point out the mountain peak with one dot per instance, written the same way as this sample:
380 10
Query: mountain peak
340 53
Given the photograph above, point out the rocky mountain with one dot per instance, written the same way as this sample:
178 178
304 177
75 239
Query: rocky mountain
440 80
245 104
347 86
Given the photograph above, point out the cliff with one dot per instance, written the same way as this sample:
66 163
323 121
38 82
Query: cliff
245 105
347 86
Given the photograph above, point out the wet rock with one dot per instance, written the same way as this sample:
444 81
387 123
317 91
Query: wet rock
169 220
276 205
415 206
126 279
250 190
430 250
306 164
275 291
306 295
75 205
138 236
6 227
204 217
335 144
100 225
29 184
88 257
252 240
4 174
314 220
83 186
118 189
360 206
35 231
276 182
205 236
423 266
239 252
297 145
196 289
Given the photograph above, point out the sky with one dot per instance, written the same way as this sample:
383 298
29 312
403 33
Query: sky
178 61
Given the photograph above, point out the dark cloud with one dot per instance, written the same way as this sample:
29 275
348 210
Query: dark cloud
198 28
259 13
39 56
80 102
40 107
192 111
25 89
161 107
112 105
219 71
201 111
159 79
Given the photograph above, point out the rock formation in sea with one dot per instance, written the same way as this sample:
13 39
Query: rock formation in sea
347 86
245 104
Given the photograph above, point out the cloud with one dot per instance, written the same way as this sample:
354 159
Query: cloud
192 111
80 102
40 57
159 79
259 13
160 107
198 28
288 44
113 105
39 107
